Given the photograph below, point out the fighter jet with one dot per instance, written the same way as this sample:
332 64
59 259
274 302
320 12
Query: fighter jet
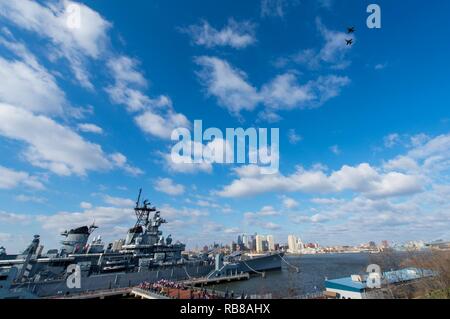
350 30
349 42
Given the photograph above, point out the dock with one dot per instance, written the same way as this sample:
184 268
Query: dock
100 294
145 294
216 280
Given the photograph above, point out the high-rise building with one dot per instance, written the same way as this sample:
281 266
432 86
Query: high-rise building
295 244
270 243
260 243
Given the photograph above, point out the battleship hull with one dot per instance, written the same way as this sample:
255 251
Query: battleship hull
261 264
103 282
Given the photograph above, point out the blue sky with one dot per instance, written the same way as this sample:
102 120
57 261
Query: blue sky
86 116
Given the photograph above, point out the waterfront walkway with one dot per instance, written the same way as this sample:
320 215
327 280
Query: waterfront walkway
216 280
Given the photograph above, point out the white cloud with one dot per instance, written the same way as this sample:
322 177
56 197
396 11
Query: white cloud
106 217
360 179
86 205
10 179
211 153
294 138
156 117
335 149
161 126
90 128
185 166
392 140
52 146
28 84
134 99
128 82
419 139
50 22
270 226
118 201
276 8
32 199
283 92
230 86
237 35
380 66
119 160
315 219
125 70
167 186
289 203
11 218
402 163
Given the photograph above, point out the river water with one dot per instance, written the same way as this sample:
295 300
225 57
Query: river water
287 282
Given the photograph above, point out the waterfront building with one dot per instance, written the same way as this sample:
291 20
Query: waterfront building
355 286
271 243
295 245
261 243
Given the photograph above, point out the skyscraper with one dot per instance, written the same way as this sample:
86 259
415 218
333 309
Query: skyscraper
260 243
271 243
295 244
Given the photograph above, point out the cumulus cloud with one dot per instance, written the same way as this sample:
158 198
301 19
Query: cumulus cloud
289 203
90 128
228 84
117 202
276 8
119 160
50 22
210 153
10 179
185 166
28 84
293 137
361 179
154 116
392 140
11 218
106 217
233 91
161 126
167 186
32 199
235 34
52 146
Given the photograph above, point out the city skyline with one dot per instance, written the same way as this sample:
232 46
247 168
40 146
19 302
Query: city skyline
87 111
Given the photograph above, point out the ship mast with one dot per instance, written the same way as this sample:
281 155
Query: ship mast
143 212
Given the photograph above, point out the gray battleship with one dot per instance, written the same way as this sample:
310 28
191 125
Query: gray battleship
143 256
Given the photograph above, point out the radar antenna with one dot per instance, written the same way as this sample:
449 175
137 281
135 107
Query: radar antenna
143 212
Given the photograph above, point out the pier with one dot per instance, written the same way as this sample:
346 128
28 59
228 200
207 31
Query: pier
216 280
100 294
145 294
